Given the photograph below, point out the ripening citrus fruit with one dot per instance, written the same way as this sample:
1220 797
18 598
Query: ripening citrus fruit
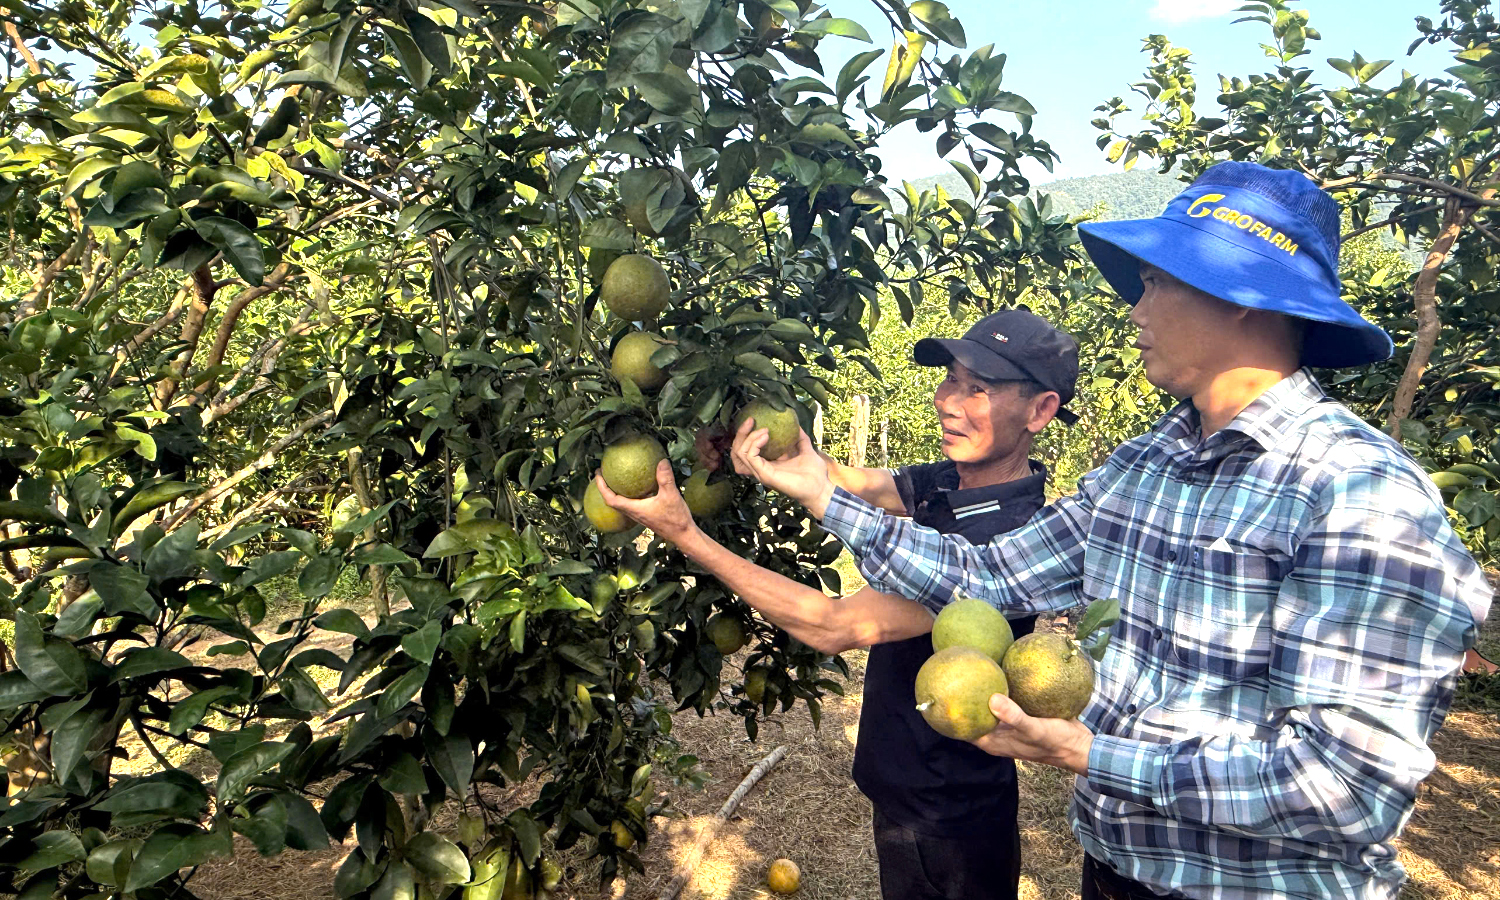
631 360
605 518
635 287
755 684
971 622
783 876
629 465
781 423
706 498
1050 676
726 632
953 692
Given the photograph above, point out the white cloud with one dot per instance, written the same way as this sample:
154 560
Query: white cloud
1188 10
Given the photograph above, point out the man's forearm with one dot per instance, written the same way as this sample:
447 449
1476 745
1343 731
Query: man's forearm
827 624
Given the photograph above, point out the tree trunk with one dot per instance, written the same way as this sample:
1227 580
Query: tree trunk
367 502
1424 297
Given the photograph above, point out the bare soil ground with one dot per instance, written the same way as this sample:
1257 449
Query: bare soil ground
808 810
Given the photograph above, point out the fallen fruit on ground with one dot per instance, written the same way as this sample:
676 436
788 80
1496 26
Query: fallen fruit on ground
605 518
635 287
726 632
971 622
1049 675
783 876
781 423
705 498
629 465
953 692
631 360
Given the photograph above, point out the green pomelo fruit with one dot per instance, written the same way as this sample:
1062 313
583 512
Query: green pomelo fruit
629 466
635 287
706 498
781 423
726 632
632 360
953 692
1050 675
755 684
970 622
605 518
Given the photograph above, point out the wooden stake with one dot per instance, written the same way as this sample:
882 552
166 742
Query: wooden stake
859 430
706 836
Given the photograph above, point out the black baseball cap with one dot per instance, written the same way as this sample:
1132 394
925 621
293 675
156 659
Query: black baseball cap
1011 345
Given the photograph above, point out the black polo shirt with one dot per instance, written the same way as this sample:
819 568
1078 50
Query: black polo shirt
922 780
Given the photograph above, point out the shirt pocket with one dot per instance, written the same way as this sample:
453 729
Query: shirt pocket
1221 622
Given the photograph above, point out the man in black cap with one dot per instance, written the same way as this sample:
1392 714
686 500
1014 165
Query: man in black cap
945 811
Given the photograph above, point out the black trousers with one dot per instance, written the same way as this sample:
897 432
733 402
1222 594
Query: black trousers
985 865
1100 882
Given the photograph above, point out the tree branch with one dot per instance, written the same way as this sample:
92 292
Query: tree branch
260 462
275 282
1391 221
21 48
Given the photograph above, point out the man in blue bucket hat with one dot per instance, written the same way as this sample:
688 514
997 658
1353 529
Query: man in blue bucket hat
1294 604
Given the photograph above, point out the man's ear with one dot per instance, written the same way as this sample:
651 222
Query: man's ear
1044 407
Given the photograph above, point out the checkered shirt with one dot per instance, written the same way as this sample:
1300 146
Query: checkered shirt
1295 609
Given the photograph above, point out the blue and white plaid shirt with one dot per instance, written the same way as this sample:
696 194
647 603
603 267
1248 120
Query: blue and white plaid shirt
1294 611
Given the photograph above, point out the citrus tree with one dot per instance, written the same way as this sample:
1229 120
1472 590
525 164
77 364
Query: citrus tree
387 256
1417 159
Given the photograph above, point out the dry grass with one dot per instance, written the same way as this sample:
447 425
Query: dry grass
808 810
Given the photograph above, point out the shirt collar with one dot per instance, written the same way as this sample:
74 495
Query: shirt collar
1264 421
1022 488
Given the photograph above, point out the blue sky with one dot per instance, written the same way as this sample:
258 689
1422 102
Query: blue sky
1067 58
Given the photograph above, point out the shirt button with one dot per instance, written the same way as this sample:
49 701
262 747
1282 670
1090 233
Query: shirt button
1171 556
1157 634
1130 710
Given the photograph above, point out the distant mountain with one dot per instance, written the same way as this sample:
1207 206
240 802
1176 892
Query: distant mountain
1123 195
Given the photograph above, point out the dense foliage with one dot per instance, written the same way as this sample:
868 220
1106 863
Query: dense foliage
295 291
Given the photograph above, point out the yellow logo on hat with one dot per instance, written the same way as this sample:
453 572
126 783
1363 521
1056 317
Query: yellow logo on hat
1206 198
1241 220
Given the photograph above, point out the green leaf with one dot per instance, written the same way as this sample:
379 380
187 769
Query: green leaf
123 590
438 858
51 664
71 740
78 619
421 644
418 70
1476 505
641 45
239 245
171 794
430 39
604 233
404 776
850 75
321 573
396 695
398 883
171 848
190 711
53 848
453 757
1094 627
937 18
841 27
109 864
381 555
1005 100
139 661
670 92
147 497
240 768
344 621
304 829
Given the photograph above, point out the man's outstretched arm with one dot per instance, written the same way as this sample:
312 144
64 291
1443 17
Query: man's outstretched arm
829 624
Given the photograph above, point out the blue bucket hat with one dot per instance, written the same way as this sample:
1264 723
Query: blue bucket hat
1257 237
